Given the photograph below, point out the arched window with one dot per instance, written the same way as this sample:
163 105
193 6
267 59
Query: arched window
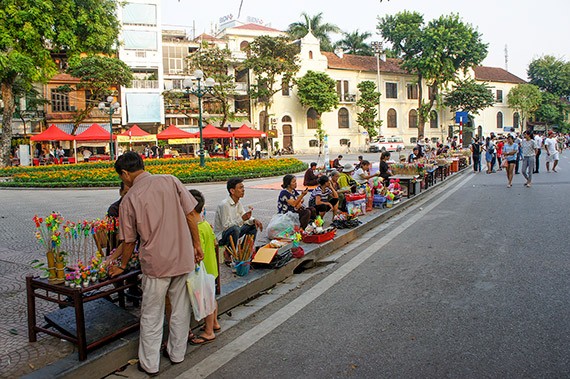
413 119
343 121
392 118
286 119
311 118
310 55
243 46
433 121
499 120
516 119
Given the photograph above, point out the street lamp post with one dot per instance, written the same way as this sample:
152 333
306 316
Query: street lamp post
112 108
199 92
377 46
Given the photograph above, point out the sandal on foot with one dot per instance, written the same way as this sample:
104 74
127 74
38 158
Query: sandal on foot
201 340
216 330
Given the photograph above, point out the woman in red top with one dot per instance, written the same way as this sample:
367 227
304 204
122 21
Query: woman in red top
500 145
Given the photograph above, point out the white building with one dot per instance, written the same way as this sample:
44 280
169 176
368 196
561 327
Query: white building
141 48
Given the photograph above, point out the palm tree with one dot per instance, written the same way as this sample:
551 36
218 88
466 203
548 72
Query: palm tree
354 43
319 29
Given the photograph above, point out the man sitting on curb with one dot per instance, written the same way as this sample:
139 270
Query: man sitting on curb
311 178
231 219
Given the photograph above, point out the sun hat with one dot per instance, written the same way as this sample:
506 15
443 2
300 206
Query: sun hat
349 167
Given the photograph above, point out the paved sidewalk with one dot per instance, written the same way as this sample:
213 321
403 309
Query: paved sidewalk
18 247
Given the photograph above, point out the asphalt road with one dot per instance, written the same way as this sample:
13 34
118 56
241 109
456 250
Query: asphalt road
474 284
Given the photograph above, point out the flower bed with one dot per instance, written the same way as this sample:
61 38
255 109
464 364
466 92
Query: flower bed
102 174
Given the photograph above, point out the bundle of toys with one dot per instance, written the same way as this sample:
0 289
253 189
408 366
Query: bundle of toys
315 233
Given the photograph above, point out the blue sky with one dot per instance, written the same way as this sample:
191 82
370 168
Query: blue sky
529 28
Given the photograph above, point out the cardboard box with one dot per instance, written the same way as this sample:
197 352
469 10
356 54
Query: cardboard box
266 253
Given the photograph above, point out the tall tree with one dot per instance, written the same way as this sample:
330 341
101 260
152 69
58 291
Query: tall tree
552 111
215 63
469 96
315 24
318 90
270 58
31 30
525 99
355 43
368 101
97 74
550 74
436 52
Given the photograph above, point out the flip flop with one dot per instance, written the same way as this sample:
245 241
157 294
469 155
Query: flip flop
216 330
201 340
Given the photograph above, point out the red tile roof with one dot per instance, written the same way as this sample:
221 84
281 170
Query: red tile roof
496 74
256 27
207 37
363 63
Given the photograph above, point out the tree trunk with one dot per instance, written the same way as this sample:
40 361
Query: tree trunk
9 107
421 121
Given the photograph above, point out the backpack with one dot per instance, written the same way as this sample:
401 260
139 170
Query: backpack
476 148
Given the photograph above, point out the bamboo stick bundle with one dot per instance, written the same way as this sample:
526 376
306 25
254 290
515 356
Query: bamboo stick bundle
244 249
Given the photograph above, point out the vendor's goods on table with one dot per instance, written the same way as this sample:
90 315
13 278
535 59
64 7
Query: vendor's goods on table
74 250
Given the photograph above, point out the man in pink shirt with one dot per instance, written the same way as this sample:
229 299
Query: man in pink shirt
160 211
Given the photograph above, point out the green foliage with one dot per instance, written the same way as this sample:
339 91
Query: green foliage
317 90
525 99
368 101
30 31
436 52
319 29
469 96
270 57
552 110
97 74
550 74
215 63
355 43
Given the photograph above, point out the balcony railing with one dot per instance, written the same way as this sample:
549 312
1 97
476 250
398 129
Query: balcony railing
144 84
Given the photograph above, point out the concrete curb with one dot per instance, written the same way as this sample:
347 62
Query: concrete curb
234 293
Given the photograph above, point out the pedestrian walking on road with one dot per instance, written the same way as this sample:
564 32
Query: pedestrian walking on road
538 141
476 154
489 154
159 211
551 152
529 149
510 151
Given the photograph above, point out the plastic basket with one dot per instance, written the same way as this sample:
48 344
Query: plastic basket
242 268
319 238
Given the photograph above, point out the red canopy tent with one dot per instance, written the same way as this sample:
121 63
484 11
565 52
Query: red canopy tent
246 132
210 131
135 131
94 133
172 132
53 133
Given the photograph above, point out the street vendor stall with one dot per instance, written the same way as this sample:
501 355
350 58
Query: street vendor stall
95 133
245 132
176 136
53 133
136 135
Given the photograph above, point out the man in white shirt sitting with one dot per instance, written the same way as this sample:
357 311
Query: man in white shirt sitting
231 219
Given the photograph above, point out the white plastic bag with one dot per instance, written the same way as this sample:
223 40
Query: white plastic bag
281 223
202 290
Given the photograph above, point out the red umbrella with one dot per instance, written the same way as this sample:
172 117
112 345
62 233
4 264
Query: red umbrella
135 131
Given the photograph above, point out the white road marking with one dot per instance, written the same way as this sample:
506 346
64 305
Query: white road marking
213 362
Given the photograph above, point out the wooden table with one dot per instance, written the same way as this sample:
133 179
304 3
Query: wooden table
74 301
408 181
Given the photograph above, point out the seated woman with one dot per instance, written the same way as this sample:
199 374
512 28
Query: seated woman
414 156
290 200
385 172
324 198
336 184
311 178
362 175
